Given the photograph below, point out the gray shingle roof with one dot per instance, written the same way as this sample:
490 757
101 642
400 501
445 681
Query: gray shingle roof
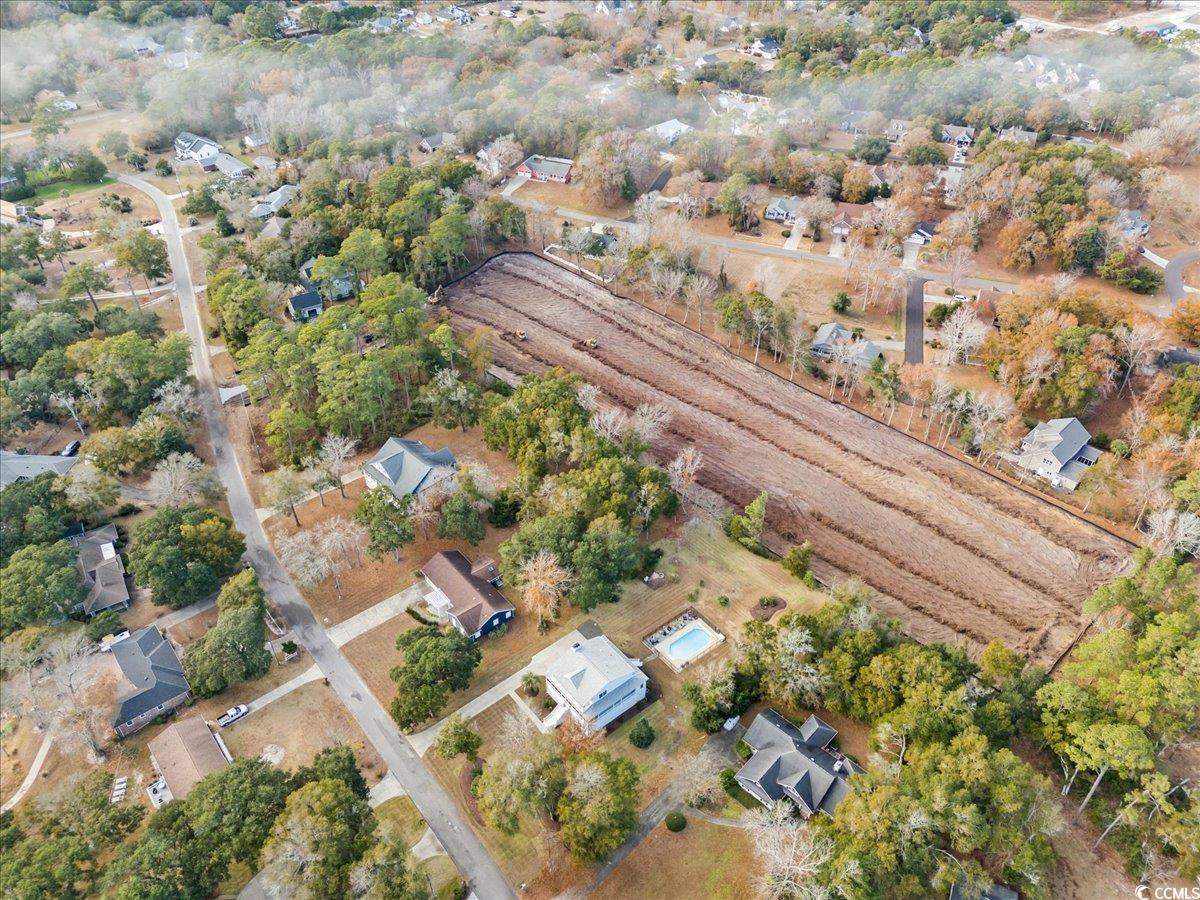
151 666
407 466
795 763
103 571
27 466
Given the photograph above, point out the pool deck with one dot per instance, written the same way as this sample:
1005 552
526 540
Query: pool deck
681 623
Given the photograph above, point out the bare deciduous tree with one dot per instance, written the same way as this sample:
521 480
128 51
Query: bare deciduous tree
182 478
1138 344
684 468
961 335
790 857
649 421
958 262
610 423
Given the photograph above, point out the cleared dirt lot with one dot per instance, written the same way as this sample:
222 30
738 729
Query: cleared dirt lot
954 552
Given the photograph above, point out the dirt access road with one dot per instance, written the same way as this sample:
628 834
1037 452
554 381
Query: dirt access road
951 550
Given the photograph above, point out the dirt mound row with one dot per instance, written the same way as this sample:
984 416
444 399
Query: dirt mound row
951 550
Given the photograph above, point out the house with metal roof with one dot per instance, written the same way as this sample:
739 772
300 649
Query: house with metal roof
782 209
196 148
1056 451
798 764
27 466
102 570
670 131
465 594
593 681
156 683
230 166
406 466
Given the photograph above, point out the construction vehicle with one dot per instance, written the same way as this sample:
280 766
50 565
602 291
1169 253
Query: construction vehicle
435 298
519 335
591 343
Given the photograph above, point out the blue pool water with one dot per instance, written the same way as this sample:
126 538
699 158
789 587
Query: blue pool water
689 644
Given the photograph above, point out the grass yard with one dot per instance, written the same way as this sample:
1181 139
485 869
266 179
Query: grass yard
675 744
303 723
19 744
520 856
374 654
54 190
703 860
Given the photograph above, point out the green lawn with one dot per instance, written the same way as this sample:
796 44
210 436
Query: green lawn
54 190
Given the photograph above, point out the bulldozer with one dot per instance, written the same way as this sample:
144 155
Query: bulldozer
518 334
591 343
435 298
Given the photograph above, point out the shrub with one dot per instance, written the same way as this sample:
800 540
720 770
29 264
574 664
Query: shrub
1101 441
743 750
722 600
1121 448
126 509
767 602
289 647
810 580
642 734
106 623
787 232
676 821
728 781
498 632
531 684
840 302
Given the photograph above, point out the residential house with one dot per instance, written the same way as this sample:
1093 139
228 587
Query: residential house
959 135
102 569
157 684
273 229
405 466
848 216
434 142
949 179
423 18
144 46
1019 135
883 175
832 335
923 233
266 164
183 754
670 131
339 287
509 10
897 129
798 764
705 195
306 306
766 47
612 7
1056 451
782 209
256 139
382 25
729 24
594 682
1132 224
459 15
196 148
16 467
852 120
1033 65
708 59
547 168
230 166
273 202
468 595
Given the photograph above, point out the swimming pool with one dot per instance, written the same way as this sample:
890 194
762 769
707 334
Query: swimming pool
695 639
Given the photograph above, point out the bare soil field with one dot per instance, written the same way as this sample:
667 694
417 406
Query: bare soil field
954 552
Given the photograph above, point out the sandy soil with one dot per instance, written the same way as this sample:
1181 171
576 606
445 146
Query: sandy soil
917 526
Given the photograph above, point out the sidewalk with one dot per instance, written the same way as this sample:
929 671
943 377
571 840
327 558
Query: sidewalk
423 740
312 673
374 616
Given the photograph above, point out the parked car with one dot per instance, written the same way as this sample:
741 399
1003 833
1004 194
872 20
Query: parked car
232 714
71 449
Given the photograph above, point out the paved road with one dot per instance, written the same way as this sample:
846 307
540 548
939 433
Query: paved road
745 246
1174 274
439 811
87 117
914 320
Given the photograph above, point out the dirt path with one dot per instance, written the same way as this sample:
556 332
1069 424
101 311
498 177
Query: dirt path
950 550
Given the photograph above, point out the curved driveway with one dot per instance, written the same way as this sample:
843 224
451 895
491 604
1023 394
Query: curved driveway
1174 274
439 811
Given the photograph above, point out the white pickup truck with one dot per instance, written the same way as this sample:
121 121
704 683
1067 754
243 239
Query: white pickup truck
232 714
